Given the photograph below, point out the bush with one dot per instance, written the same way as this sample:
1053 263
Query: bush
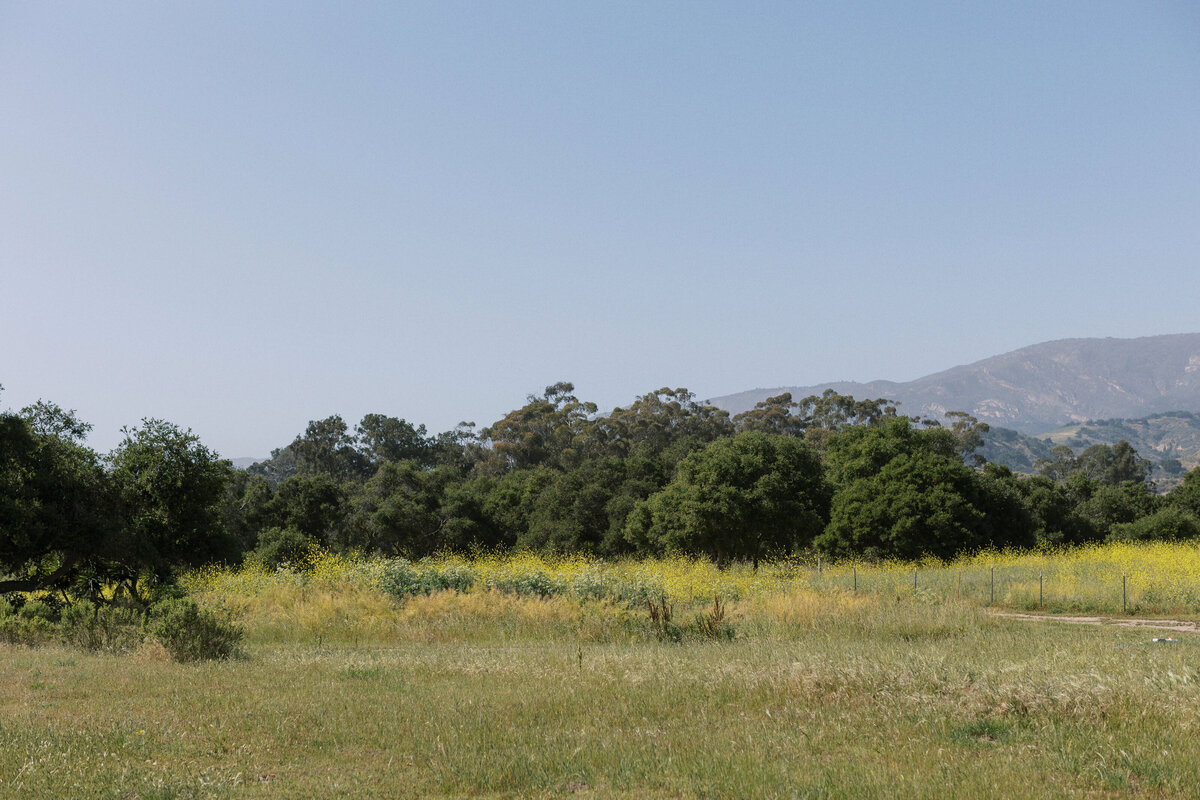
278 547
530 583
15 629
108 629
190 633
401 579
38 609
1169 524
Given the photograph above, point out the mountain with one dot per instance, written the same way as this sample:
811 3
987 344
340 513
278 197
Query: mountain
1040 388
1169 441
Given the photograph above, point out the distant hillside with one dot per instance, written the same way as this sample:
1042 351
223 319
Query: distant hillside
1014 449
1160 438
1170 441
1043 387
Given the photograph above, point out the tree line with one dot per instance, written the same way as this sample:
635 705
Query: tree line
825 474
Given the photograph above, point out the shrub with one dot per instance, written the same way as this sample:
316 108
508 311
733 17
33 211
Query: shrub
38 609
401 579
15 629
278 547
109 629
190 633
1168 524
530 583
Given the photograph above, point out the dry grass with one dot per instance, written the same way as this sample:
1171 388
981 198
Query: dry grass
855 697
494 693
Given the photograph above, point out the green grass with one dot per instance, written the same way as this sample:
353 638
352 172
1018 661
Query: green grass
819 696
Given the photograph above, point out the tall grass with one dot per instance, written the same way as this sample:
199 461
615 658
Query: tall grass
822 695
1137 578
332 597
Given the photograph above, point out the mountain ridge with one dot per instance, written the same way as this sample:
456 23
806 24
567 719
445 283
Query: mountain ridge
1041 387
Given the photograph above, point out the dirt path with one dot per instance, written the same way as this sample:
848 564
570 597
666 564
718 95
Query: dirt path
1182 626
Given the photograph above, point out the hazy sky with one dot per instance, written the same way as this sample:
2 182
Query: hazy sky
242 216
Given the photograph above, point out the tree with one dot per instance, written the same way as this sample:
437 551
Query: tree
328 449
668 423
968 435
1054 511
56 504
1169 523
833 411
170 488
904 492
246 508
316 505
461 448
1109 506
1186 496
1108 465
773 415
744 497
576 510
1059 466
512 501
398 511
276 469
917 504
553 429
382 438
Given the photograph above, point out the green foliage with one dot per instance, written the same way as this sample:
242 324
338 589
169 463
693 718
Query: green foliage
279 547
171 489
1166 524
1109 506
399 510
401 579
905 493
57 512
313 504
745 497
102 628
327 449
1187 494
1107 465
1054 512
553 430
773 415
382 438
666 424
847 476
190 633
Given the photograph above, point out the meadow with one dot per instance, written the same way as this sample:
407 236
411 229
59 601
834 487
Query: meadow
533 677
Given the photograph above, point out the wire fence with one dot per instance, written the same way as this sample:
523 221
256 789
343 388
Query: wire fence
1061 587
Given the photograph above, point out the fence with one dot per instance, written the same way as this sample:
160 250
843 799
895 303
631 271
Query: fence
1065 585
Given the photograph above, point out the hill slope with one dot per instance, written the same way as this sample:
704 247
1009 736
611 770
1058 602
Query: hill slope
1042 387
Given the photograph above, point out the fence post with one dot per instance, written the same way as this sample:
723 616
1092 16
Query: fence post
1123 605
854 569
914 579
1040 590
992 602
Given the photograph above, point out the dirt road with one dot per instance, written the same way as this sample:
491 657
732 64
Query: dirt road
1181 626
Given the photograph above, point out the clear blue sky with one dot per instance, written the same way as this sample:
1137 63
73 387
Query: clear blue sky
242 216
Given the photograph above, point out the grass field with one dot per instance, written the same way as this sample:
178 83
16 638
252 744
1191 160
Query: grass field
549 687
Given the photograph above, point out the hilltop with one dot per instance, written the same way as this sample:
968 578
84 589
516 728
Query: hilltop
1040 388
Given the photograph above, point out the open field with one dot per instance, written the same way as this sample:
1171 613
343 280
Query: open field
347 693
335 596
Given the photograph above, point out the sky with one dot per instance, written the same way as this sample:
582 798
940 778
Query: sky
243 216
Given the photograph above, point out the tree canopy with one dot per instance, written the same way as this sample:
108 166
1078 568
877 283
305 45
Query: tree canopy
825 474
